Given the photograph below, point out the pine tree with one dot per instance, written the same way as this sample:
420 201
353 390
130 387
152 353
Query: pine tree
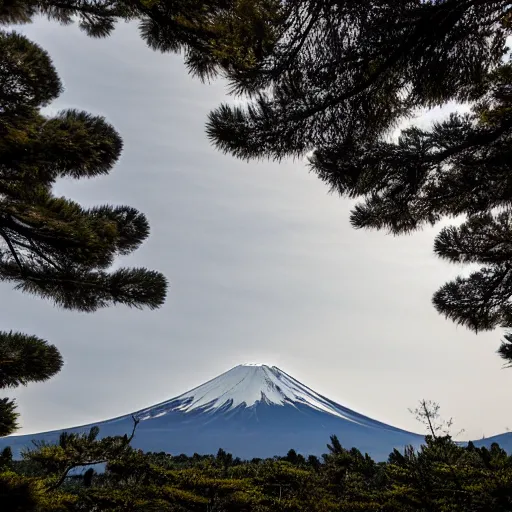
440 476
345 74
54 478
57 462
215 36
51 246
23 359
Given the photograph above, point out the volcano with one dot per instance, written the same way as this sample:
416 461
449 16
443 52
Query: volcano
252 410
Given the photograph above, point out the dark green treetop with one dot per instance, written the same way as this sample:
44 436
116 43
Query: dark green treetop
216 36
345 75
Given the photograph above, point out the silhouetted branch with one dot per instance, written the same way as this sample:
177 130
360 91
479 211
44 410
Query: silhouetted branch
101 460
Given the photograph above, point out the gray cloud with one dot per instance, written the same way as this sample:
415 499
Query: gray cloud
263 265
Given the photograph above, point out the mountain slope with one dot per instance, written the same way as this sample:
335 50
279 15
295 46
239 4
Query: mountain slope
251 386
250 411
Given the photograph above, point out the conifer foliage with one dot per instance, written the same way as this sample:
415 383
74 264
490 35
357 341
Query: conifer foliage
344 74
215 36
51 246
23 359
441 476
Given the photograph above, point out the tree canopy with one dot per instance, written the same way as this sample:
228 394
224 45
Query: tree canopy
51 246
344 75
215 36
440 476
333 79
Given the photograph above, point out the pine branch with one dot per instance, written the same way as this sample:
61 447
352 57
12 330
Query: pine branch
13 251
98 460
32 247
9 221
425 24
25 358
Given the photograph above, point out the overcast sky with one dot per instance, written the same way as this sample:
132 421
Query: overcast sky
263 264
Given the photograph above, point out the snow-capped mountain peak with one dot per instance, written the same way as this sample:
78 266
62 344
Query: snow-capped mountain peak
245 384
248 385
252 410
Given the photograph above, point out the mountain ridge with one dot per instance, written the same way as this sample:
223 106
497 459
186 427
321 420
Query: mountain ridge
251 410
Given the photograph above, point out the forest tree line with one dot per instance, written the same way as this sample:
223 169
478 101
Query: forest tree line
441 476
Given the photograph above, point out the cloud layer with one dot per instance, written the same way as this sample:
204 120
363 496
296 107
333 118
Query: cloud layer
263 266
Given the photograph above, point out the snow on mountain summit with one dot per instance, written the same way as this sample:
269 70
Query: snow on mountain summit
247 385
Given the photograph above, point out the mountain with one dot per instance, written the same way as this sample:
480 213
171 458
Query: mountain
251 411
503 440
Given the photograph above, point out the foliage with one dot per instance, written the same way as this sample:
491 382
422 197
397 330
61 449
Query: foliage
36 484
216 36
23 359
441 476
51 246
344 75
